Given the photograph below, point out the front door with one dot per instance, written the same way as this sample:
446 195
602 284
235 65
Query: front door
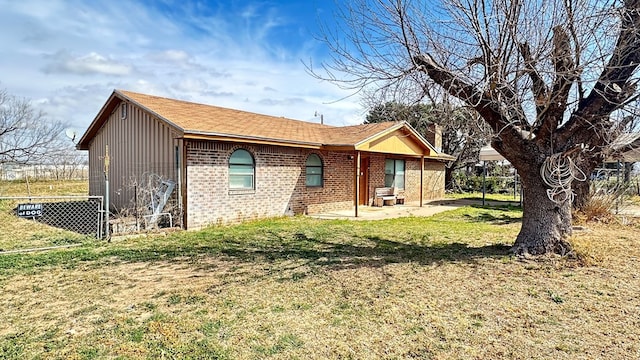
364 181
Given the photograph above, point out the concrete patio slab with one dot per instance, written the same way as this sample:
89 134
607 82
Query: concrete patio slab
428 209
396 211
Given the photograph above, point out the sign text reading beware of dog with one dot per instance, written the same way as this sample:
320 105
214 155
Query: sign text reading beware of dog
29 210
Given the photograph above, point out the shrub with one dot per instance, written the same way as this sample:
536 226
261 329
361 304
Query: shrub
602 204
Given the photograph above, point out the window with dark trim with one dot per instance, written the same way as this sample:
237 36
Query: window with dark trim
314 171
123 111
394 173
241 170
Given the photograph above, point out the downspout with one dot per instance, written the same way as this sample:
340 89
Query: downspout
183 180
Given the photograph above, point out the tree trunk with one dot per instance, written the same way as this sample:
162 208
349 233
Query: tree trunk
545 224
628 168
582 190
448 178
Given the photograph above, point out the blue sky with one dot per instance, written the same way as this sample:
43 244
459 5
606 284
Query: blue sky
68 56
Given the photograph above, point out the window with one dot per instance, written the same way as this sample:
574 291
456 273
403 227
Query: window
394 173
241 170
314 170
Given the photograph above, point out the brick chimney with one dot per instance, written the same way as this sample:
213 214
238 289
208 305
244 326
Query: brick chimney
434 136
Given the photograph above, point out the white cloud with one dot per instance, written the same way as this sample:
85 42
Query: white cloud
285 102
69 56
190 85
170 56
93 63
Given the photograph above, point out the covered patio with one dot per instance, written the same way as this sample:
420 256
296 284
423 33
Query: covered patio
397 145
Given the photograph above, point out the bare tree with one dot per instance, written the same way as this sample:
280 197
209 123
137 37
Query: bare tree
68 163
554 79
463 132
25 134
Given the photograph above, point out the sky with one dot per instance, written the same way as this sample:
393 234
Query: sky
67 57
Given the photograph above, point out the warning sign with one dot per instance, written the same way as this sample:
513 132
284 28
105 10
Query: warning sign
29 210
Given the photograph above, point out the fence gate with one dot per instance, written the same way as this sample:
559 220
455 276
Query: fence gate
80 214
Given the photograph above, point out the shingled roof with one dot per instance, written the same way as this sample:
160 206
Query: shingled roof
195 120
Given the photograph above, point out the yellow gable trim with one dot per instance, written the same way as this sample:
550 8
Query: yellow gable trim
395 142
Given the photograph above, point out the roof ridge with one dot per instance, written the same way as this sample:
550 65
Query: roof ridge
203 121
186 102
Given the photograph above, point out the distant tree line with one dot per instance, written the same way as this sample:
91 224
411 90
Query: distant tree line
28 137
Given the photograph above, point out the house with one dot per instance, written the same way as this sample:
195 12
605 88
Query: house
230 165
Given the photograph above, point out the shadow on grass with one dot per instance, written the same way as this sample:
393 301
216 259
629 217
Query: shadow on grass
371 251
476 202
486 217
301 251
278 246
494 202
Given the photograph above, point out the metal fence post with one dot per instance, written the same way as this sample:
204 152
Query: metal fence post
106 193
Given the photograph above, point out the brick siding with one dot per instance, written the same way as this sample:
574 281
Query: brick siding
280 184
432 186
280 187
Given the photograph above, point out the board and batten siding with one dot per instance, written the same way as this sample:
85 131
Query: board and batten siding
139 145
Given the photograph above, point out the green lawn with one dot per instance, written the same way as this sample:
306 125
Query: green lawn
507 198
443 287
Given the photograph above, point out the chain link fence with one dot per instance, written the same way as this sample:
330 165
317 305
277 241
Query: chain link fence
80 214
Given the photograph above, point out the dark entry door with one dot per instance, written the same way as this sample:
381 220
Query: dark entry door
364 181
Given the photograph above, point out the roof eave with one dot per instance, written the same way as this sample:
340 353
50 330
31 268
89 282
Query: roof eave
205 135
114 99
422 139
441 157
169 122
98 121
398 126
379 134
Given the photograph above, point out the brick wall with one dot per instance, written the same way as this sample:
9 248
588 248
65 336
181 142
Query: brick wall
432 186
280 187
376 174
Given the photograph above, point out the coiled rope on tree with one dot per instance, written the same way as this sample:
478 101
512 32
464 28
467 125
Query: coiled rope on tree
558 171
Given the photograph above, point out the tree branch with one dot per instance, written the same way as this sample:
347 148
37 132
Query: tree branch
511 139
614 86
565 74
539 87
458 88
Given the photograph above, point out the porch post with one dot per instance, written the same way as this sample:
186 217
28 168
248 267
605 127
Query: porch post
484 181
356 184
421 179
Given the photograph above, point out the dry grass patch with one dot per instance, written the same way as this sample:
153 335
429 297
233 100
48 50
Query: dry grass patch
427 288
602 244
44 188
17 233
